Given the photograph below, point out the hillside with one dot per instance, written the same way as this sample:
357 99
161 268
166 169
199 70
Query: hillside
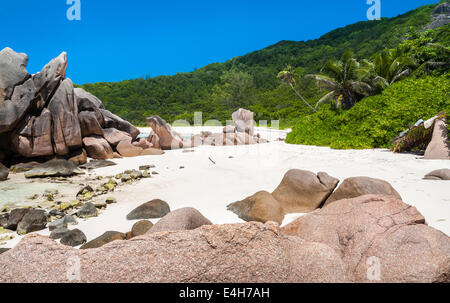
250 80
375 121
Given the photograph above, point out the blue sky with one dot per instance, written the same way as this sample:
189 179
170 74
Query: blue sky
117 39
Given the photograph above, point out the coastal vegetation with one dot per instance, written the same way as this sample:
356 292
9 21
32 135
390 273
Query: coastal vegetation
355 87
251 81
375 121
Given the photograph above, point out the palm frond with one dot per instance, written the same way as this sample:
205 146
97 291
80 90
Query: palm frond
324 82
400 76
326 98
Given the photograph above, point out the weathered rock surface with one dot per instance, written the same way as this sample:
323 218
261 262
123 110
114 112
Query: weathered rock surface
98 148
114 136
150 210
66 132
250 252
181 219
383 227
140 228
113 121
33 136
23 167
4 220
89 124
440 174
79 157
439 147
43 115
360 186
13 111
87 210
4 172
304 191
93 164
440 16
143 143
53 168
73 238
13 67
168 138
47 81
33 220
59 232
126 149
154 140
105 238
15 216
87 101
261 207
244 121
60 223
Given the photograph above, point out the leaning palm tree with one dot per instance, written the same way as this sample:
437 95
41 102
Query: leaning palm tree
288 76
343 79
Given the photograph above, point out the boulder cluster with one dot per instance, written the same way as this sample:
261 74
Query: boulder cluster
57 212
241 132
43 116
371 238
303 191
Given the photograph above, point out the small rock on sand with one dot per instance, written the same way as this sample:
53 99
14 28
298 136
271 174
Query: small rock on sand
150 210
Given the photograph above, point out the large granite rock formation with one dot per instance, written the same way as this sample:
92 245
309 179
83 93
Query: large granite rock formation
13 72
168 138
43 116
379 238
439 147
250 252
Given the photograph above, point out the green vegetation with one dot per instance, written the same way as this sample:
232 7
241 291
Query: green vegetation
375 121
343 81
250 81
390 74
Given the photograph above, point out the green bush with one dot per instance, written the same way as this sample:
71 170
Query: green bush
375 121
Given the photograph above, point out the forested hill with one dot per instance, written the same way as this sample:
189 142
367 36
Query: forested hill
251 80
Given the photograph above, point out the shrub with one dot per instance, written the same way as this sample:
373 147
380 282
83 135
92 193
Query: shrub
375 121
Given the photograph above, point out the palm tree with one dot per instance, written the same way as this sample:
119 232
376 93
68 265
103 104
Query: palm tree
343 79
288 76
442 59
388 67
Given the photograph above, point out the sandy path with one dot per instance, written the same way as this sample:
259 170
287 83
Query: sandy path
211 187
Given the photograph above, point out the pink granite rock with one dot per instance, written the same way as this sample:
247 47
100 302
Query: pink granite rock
383 229
250 252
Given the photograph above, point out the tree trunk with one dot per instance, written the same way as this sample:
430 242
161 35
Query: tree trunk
300 96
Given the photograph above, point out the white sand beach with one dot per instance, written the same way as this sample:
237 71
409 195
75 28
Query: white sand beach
240 171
